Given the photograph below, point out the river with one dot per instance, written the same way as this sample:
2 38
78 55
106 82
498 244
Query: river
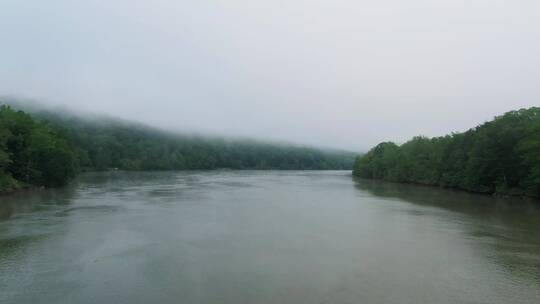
264 237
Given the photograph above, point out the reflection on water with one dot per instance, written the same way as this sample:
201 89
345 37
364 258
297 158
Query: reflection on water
510 227
264 237
34 200
28 216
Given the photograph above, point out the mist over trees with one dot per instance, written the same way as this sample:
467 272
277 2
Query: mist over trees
110 143
498 157
49 148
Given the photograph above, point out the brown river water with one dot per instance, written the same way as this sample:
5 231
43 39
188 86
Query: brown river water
264 237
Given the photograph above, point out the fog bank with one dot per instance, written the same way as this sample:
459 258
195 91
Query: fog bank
345 74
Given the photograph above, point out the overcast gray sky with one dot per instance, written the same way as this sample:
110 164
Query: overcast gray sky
338 73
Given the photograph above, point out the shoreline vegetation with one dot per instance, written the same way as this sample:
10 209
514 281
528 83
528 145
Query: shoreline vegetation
48 149
42 149
33 153
500 157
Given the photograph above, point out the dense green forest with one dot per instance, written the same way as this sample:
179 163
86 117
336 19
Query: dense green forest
33 152
498 157
48 148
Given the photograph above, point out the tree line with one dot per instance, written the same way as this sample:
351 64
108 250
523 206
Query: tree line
33 152
498 157
48 149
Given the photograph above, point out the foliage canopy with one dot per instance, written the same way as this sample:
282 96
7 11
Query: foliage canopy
48 148
501 156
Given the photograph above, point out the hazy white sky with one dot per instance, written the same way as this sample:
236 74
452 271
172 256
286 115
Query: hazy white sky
338 73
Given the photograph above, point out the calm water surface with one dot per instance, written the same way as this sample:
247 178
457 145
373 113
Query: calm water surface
264 237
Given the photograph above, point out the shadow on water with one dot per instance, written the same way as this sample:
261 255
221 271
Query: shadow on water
509 227
22 215
34 200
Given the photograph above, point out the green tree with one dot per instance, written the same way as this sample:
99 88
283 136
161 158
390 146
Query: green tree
500 156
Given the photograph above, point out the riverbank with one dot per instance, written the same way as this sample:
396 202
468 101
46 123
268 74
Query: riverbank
498 157
531 199
8 184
